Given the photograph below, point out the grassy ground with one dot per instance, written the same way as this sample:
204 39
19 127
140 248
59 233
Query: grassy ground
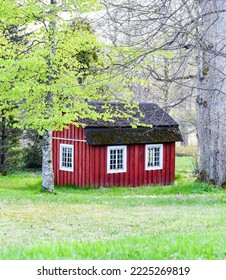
183 221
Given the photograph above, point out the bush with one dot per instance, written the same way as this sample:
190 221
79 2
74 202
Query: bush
14 159
32 156
32 150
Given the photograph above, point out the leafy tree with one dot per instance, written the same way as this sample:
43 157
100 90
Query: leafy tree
9 135
43 77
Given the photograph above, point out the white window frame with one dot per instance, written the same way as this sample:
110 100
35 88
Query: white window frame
64 168
124 169
157 167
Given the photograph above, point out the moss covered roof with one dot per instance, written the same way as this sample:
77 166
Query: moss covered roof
126 135
148 114
162 128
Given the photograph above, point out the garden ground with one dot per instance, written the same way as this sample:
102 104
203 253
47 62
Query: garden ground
186 220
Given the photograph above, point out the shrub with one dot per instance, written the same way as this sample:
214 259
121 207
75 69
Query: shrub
32 151
32 156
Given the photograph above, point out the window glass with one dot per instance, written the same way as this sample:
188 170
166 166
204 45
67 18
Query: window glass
116 159
154 156
66 157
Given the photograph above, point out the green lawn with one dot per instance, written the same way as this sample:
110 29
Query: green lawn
183 221
184 165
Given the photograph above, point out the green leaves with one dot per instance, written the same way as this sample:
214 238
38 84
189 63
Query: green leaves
53 67
31 70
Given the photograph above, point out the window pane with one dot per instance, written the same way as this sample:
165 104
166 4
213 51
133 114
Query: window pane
154 156
150 157
116 159
157 155
112 159
66 157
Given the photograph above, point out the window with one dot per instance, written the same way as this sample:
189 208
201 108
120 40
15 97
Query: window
154 157
116 159
66 157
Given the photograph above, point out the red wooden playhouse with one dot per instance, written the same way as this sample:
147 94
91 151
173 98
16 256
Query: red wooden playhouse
104 154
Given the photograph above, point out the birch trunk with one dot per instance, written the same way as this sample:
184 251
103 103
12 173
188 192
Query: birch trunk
211 100
47 164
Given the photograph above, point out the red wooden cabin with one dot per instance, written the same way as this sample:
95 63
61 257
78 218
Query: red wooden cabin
105 154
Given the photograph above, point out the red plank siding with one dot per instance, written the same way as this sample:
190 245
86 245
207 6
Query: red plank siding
172 163
90 164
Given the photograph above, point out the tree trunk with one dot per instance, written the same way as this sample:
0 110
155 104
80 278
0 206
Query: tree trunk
211 100
47 163
184 132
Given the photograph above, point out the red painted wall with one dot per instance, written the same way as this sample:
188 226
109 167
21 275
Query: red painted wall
90 164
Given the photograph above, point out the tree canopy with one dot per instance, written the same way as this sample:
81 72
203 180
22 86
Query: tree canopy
52 65
48 60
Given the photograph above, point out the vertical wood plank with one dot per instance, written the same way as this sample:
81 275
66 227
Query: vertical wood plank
167 164
172 162
127 174
102 170
54 158
91 160
64 173
79 159
132 166
87 167
58 162
141 165
136 165
97 167
106 176
76 160
83 160
163 175
146 179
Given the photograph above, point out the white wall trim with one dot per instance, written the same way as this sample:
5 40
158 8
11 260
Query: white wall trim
69 139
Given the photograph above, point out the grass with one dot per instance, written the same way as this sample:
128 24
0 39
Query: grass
184 165
185 220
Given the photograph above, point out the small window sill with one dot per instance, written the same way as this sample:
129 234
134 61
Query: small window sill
112 171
